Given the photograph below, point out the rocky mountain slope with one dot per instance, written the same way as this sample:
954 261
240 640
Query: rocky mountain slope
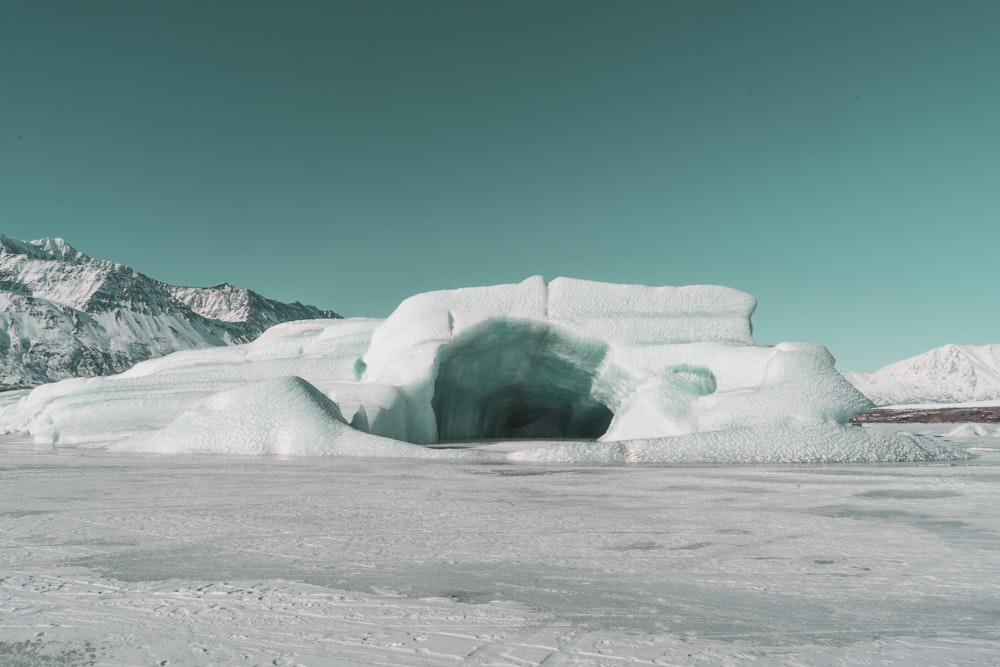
64 314
948 374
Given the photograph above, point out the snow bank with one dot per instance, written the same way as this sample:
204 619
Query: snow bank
777 443
970 431
632 373
285 416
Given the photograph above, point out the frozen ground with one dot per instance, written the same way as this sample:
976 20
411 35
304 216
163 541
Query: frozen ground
112 559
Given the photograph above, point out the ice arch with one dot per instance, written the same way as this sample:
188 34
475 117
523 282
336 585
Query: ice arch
518 379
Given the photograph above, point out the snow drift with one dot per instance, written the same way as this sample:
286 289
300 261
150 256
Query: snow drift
573 370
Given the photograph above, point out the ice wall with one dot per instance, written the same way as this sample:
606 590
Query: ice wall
577 321
627 372
559 359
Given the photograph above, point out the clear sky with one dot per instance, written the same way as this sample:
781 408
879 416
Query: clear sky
838 160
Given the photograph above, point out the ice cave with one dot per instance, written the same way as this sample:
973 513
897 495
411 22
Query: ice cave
562 370
518 379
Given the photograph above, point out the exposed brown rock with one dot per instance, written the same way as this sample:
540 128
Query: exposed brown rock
989 414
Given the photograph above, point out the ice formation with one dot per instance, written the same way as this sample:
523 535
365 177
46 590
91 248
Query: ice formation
971 430
571 370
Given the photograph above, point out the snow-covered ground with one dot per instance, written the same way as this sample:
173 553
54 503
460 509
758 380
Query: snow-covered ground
130 559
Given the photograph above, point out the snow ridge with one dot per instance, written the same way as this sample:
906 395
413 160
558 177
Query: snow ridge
64 314
946 374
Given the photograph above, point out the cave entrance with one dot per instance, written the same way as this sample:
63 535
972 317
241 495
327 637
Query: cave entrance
518 379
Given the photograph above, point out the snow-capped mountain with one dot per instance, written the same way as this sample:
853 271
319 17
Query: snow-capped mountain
947 374
64 314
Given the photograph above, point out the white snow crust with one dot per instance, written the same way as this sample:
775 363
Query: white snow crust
971 430
129 559
604 373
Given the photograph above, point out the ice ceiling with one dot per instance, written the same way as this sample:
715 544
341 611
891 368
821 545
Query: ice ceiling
598 372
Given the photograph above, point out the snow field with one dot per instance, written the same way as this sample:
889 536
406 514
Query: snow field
115 559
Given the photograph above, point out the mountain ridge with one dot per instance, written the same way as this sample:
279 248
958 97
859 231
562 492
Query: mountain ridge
65 314
948 374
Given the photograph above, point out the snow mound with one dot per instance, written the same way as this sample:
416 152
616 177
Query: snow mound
285 417
586 372
969 431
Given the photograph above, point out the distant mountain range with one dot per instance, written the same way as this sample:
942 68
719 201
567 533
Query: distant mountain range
948 374
64 314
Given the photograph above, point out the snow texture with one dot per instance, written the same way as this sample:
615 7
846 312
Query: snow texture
948 374
125 559
64 314
974 431
602 373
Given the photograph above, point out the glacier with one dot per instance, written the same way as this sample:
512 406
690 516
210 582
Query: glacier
565 370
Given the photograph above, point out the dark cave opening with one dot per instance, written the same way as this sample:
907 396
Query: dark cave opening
518 379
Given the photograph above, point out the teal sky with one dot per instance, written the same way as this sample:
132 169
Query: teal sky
838 160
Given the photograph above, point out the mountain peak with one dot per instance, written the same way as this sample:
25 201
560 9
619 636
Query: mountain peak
46 248
57 248
68 315
9 246
948 374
